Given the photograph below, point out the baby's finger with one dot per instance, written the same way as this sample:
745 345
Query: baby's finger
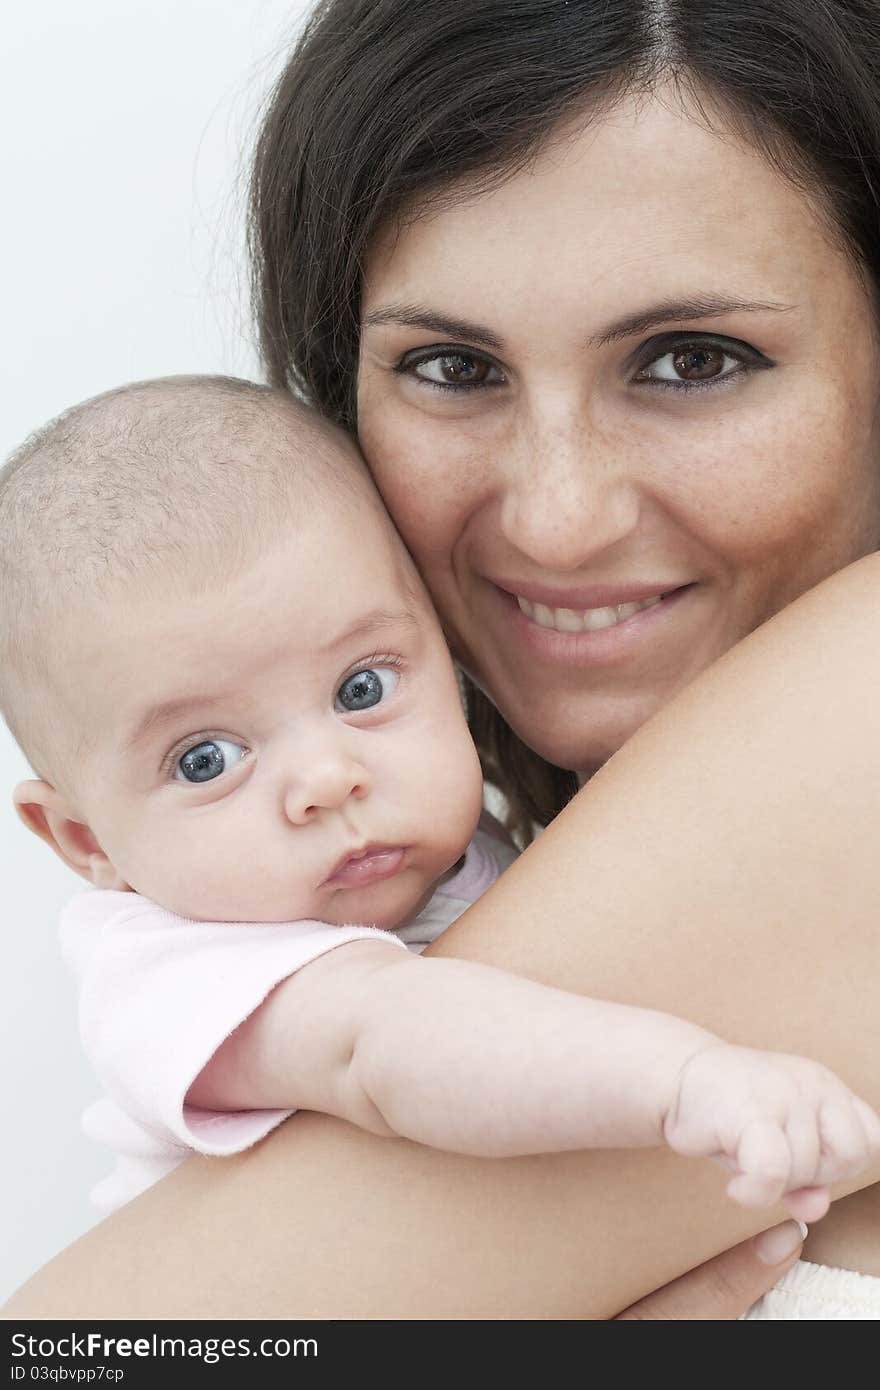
871 1121
802 1133
764 1163
755 1190
846 1148
808 1203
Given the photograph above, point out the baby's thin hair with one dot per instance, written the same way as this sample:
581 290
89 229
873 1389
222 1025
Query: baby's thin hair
162 481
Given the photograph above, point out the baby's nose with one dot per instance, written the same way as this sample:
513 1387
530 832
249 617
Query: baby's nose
325 784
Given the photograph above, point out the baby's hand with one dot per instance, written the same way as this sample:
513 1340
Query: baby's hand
786 1126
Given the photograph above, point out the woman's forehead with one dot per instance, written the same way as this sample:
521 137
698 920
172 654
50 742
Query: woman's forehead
642 193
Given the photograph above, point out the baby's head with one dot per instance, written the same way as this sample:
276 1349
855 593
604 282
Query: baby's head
222 665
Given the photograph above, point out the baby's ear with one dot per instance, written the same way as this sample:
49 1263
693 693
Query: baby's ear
51 816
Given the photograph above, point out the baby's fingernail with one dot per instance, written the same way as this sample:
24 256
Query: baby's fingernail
774 1246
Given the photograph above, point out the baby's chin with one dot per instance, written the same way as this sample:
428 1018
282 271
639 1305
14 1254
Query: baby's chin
387 906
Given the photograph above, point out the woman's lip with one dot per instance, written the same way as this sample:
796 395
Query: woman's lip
603 646
368 866
589 595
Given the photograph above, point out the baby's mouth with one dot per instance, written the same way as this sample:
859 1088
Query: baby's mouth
362 867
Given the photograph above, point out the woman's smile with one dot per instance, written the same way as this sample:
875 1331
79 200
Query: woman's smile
590 636
584 619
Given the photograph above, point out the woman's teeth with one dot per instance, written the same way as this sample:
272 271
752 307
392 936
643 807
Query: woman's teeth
588 620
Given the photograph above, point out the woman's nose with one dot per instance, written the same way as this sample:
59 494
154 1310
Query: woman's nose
322 780
567 496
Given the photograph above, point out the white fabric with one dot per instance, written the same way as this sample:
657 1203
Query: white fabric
818 1293
160 993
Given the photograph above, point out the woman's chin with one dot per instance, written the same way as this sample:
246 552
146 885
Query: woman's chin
583 742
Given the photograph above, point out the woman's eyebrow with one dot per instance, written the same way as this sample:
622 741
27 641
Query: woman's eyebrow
693 309
421 316
708 306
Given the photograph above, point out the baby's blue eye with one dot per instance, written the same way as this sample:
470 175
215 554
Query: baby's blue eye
365 688
208 760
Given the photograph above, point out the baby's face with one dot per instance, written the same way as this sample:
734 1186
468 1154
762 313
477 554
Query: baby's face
292 746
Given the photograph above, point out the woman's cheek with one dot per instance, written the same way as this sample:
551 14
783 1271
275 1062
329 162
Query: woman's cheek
774 481
424 489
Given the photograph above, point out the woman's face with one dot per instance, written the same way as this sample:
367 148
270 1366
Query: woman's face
623 409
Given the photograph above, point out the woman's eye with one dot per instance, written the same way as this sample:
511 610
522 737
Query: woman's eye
454 370
208 760
691 365
366 688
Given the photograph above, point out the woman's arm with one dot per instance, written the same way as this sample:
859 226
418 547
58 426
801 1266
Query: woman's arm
723 867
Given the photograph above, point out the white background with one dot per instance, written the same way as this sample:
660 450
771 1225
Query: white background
126 125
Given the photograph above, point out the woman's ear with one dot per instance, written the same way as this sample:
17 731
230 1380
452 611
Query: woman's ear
51 816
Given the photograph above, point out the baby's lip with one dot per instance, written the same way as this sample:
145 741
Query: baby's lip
365 865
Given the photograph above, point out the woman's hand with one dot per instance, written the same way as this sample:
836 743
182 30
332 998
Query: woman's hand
722 1289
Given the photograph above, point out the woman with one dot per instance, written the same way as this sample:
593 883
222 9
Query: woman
597 284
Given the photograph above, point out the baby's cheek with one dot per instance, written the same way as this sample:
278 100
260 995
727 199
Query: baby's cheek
456 794
169 859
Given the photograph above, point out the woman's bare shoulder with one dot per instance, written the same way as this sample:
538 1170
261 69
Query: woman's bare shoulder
850 593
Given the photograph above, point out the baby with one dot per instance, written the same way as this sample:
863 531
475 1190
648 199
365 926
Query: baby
248 736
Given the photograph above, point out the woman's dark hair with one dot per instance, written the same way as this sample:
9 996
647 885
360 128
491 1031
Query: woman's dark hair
386 105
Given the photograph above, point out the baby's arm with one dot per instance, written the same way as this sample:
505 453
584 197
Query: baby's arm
470 1059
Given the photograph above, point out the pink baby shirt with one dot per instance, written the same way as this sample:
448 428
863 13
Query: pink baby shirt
158 994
